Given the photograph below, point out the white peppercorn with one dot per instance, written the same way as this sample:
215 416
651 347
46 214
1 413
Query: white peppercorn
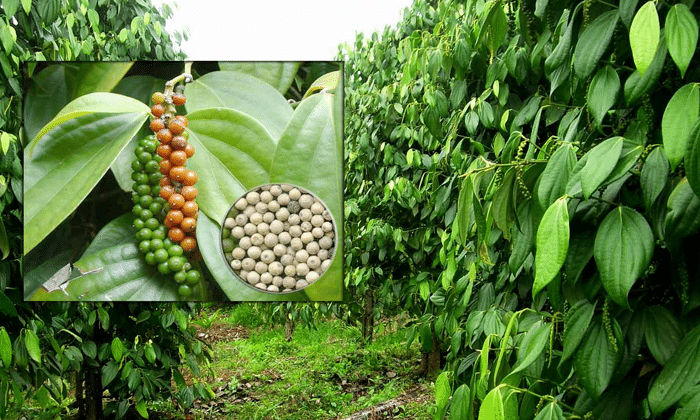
254 252
312 276
301 284
284 238
325 242
327 215
282 214
325 264
317 220
301 255
296 244
245 243
260 267
266 196
237 232
241 219
276 227
302 269
275 268
322 253
267 256
271 240
256 218
286 187
279 249
253 277
261 286
250 229
241 204
249 210
261 207
305 215
252 198
238 253
257 239
290 270
306 226
312 248
275 190
317 232
273 206
295 231
317 208
283 199
289 282
266 278
277 281
307 237
286 259
327 226
268 217
294 219
244 274
313 262
263 228
273 288
305 201
229 223
236 264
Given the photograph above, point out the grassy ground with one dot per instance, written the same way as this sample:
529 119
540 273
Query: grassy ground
322 373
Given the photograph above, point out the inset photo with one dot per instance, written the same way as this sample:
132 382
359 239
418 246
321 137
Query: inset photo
195 181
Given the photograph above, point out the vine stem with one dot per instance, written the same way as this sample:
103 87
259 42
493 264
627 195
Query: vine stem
545 397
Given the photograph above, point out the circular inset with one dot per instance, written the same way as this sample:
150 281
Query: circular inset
278 238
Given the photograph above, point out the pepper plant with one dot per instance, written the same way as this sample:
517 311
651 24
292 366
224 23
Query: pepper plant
526 184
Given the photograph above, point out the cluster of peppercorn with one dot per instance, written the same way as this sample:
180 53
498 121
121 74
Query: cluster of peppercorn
164 194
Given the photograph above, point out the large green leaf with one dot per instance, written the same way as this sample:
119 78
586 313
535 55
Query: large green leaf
5 348
681 113
596 358
662 333
278 74
552 244
244 93
523 236
602 93
683 213
116 271
140 88
638 85
553 180
32 342
644 36
575 326
502 206
689 405
593 42
310 154
67 163
459 407
681 35
654 176
692 159
561 51
500 403
208 233
58 84
551 411
218 188
442 393
623 249
679 375
627 11
601 162
237 140
532 345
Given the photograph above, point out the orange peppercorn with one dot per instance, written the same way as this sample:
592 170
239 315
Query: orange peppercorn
176 234
178 157
188 243
190 178
176 201
189 208
189 192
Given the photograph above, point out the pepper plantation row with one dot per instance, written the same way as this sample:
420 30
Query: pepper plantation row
522 177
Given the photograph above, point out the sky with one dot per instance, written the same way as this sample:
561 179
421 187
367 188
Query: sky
277 30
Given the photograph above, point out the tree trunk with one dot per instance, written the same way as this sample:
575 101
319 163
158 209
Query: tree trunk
93 395
368 317
433 359
79 397
288 326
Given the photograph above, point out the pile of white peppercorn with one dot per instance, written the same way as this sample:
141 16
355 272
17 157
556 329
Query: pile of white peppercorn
279 238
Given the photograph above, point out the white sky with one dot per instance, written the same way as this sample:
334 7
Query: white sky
277 30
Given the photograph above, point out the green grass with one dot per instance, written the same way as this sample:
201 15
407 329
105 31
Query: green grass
322 373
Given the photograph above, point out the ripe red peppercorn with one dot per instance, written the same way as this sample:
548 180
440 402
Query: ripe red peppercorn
188 243
189 192
190 178
189 208
178 99
179 143
164 150
176 126
166 191
157 110
178 157
177 173
173 218
189 149
165 166
176 201
188 224
176 234
157 124
164 135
